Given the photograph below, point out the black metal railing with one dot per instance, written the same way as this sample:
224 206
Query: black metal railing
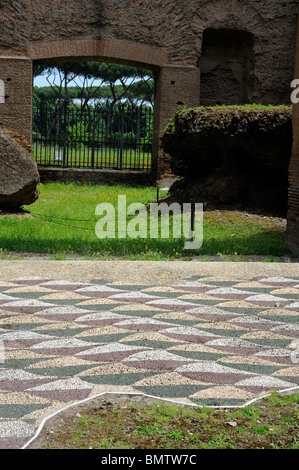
117 137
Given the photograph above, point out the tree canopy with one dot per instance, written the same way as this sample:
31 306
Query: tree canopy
94 82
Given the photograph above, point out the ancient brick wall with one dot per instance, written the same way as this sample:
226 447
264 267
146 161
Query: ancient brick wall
174 26
151 33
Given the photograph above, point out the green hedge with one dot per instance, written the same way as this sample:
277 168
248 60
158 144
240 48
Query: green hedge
247 146
199 137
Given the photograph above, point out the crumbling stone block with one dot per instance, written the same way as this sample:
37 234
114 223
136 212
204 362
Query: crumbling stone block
19 175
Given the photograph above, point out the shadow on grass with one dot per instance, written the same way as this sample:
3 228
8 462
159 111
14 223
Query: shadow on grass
270 243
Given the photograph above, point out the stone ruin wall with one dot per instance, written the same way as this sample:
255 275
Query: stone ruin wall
174 26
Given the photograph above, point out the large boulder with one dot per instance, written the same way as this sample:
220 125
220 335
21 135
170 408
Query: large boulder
19 174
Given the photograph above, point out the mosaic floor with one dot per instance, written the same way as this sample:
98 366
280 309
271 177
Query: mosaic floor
201 341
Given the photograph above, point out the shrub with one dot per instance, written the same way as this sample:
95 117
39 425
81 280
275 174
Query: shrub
235 153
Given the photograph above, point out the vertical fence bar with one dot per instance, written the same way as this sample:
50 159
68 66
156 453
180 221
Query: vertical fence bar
121 141
93 120
46 132
192 215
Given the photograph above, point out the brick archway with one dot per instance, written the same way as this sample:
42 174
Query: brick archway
121 52
104 50
174 85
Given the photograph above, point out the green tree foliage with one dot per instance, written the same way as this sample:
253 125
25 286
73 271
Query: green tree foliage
116 83
66 108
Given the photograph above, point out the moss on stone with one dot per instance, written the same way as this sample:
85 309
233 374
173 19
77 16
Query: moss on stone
233 154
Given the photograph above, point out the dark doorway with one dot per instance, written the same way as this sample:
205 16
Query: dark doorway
226 67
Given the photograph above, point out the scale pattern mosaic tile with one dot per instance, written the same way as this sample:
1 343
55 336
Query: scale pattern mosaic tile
202 341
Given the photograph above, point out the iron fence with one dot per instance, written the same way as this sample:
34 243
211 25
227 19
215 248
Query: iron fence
118 137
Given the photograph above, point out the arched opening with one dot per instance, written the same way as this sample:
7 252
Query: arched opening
226 66
93 115
108 51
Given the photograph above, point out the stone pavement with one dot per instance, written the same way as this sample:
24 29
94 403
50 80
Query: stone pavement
212 334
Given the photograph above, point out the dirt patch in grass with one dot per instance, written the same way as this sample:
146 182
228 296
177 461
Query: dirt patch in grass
277 222
123 422
16 215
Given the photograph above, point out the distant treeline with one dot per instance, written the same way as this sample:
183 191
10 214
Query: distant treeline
96 83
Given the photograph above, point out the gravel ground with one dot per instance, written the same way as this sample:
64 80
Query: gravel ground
147 272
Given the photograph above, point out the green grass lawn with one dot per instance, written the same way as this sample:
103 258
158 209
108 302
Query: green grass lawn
269 424
64 223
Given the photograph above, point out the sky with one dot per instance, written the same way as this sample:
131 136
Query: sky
42 81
